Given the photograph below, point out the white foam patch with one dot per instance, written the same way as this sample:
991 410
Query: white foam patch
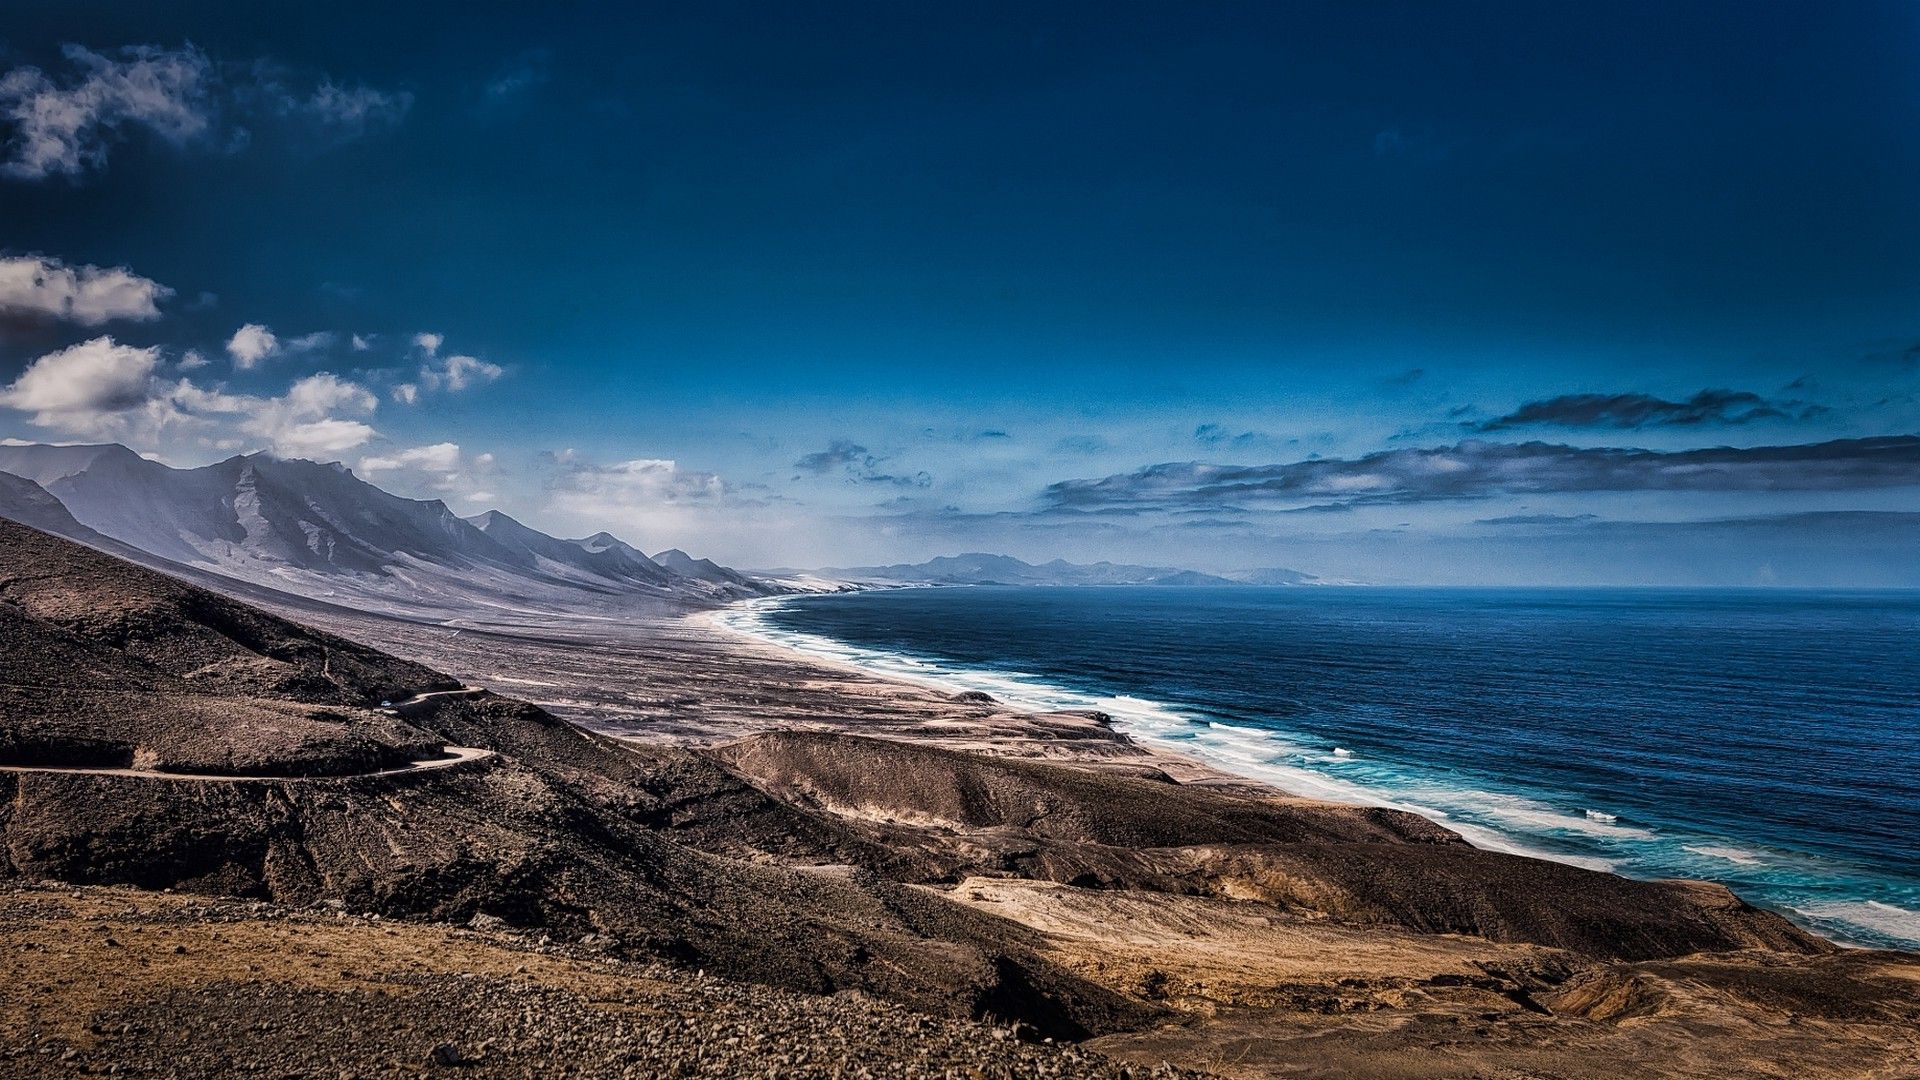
1531 814
1737 856
1887 920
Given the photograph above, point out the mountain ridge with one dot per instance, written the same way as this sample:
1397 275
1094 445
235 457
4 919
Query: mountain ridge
987 568
319 530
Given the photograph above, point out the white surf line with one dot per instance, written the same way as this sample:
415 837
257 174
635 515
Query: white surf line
456 755
1145 721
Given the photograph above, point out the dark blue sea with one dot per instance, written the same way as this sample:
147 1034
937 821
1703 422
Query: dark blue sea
1766 739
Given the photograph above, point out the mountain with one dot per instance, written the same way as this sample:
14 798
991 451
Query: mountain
686 566
600 556
980 568
28 503
320 531
1275 575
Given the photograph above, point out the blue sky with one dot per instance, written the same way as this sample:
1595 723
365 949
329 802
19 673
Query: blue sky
843 283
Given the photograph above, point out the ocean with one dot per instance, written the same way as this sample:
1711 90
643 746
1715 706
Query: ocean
1766 739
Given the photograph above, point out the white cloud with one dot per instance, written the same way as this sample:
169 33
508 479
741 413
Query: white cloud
456 373
642 480
440 457
450 373
322 438
39 287
440 469
193 360
516 79
352 111
301 422
326 392
65 129
102 389
657 502
649 497
362 342
251 344
64 126
314 342
94 377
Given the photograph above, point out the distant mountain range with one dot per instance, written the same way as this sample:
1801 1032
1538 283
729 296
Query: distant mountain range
319 531
980 568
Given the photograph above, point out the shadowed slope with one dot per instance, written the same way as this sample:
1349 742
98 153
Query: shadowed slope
664 851
1359 864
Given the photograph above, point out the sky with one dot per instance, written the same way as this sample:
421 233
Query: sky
1457 293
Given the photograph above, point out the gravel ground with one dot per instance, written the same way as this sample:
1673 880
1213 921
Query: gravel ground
119 982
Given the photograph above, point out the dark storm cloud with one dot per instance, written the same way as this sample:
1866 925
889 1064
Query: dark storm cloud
1635 411
1476 469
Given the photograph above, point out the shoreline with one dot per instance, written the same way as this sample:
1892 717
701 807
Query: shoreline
696 678
1873 924
1134 728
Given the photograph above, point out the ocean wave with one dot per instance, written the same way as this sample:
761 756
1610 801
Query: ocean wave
1735 855
1895 925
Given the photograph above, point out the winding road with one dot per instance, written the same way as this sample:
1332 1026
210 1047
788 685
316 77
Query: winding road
455 755
450 756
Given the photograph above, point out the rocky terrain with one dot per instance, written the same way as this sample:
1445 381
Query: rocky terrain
1066 886
211 988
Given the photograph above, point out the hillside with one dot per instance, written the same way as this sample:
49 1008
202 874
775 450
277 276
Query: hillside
320 531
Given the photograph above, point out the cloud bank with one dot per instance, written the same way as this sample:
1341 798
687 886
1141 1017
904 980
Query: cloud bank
1475 469
1636 411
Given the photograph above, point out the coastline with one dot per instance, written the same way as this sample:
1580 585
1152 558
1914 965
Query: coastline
1142 723
1165 733
699 679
